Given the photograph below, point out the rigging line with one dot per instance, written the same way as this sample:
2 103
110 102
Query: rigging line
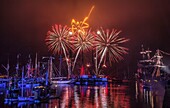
165 52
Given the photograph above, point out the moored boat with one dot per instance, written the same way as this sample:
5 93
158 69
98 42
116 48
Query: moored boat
91 80
150 71
61 80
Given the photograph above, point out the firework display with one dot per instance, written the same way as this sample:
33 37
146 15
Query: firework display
82 42
79 38
57 40
108 45
80 26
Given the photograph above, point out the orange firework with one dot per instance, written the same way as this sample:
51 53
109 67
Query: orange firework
80 26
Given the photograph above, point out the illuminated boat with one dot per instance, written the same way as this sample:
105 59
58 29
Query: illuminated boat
3 81
151 70
12 95
91 80
40 94
28 84
61 80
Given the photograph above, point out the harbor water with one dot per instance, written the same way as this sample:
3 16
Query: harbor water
109 95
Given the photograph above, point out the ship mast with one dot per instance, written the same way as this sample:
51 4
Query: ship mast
17 65
7 68
36 65
145 55
148 54
29 66
158 63
50 68
143 52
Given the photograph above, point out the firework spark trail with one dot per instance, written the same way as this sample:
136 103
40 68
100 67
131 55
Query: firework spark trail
108 43
82 42
76 58
80 26
57 40
64 53
102 58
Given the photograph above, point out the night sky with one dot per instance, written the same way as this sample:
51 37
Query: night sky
24 23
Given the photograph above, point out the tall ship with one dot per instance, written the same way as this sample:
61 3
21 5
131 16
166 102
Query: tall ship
152 71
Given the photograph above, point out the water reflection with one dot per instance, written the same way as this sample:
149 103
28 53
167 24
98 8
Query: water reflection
166 99
151 97
95 96
129 95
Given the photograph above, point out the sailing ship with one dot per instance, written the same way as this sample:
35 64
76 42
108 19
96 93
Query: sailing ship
151 70
59 79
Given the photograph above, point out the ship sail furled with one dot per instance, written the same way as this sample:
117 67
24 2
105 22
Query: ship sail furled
158 63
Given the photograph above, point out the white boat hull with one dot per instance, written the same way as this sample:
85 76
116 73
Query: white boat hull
61 82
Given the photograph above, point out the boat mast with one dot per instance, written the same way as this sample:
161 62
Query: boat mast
96 62
145 55
22 90
69 67
17 65
143 52
158 63
148 54
60 65
7 67
50 68
36 65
